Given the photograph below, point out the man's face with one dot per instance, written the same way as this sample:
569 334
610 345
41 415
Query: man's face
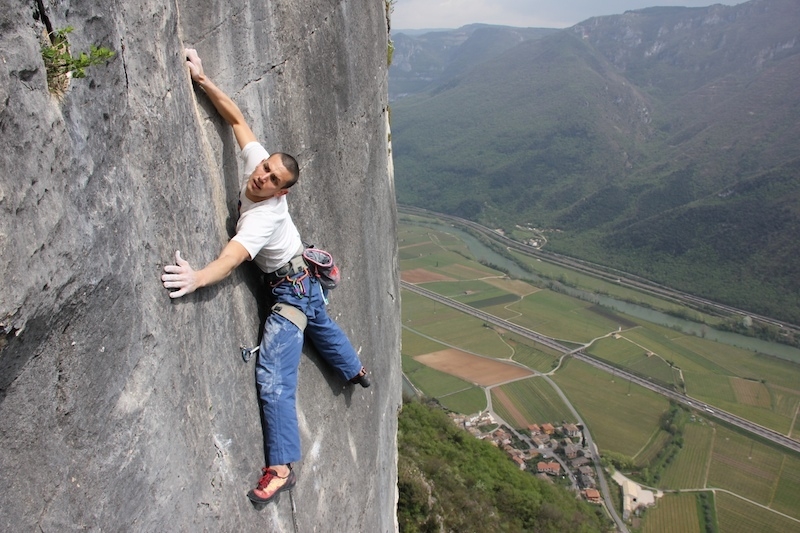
268 179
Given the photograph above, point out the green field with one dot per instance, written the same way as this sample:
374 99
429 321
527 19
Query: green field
467 402
536 400
561 317
739 516
743 363
465 291
744 466
417 311
553 314
785 498
650 451
617 349
432 382
415 344
451 327
688 471
674 513
621 416
737 463
532 354
418 244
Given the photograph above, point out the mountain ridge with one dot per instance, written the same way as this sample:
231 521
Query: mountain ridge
622 123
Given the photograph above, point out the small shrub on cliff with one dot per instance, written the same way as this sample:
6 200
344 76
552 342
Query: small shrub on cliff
62 65
389 6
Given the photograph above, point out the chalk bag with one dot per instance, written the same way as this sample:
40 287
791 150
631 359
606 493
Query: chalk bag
320 264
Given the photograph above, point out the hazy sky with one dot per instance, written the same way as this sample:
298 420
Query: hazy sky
420 14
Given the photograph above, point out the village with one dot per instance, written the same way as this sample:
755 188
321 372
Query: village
549 452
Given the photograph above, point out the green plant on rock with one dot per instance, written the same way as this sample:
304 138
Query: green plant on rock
61 65
389 6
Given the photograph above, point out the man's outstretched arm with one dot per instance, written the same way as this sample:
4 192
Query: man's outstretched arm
225 106
183 277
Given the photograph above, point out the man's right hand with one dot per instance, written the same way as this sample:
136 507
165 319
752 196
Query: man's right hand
179 276
195 65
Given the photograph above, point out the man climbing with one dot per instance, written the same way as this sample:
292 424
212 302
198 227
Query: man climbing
266 234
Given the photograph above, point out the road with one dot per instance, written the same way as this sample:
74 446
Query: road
708 410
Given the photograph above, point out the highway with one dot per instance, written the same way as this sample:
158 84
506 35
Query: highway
708 410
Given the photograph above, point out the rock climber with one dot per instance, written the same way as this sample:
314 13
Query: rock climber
266 234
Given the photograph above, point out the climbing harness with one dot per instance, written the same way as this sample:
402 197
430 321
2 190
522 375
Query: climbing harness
296 265
312 261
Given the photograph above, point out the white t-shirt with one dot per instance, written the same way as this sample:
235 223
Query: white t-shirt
265 228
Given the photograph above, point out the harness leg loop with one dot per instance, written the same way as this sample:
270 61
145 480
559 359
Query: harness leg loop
292 314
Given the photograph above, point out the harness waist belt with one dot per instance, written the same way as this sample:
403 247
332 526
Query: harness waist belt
295 265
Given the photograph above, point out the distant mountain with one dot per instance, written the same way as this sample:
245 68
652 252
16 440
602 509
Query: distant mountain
663 141
422 62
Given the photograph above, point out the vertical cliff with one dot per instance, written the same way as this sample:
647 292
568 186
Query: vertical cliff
119 408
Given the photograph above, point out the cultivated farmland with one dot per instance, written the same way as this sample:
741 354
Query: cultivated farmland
785 498
736 515
414 344
469 401
532 354
688 471
651 450
432 382
561 317
451 327
716 374
622 417
744 466
534 399
675 513
473 368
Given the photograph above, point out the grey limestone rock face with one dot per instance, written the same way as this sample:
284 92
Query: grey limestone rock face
121 409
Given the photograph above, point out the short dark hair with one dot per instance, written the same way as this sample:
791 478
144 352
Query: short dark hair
291 165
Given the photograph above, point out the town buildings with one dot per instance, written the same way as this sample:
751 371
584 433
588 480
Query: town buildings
558 451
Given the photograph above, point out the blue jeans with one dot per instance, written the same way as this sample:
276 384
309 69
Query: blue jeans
279 359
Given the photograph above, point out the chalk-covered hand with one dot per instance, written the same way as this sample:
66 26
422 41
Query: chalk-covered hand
194 64
179 276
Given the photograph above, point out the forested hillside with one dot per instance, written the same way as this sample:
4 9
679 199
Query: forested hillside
662 141
450 481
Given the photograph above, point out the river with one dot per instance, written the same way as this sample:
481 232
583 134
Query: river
486 254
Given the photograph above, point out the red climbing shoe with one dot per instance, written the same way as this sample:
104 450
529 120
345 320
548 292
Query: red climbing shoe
270 485
361 378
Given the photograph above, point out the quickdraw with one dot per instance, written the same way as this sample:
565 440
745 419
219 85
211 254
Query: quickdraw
297 285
